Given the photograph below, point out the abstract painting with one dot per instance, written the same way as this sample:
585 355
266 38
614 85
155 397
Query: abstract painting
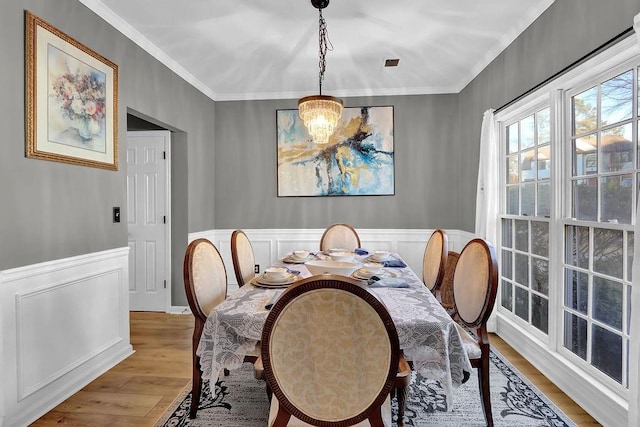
357 161
71 99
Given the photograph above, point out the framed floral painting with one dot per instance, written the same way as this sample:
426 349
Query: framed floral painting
72 99
357 161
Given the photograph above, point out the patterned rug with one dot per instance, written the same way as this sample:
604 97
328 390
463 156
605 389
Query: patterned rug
241 401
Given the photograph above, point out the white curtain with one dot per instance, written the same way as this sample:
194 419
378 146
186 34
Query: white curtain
487 195
634 356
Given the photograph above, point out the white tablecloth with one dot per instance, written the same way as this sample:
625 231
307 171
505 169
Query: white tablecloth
427 334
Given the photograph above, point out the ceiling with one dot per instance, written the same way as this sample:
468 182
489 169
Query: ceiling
258 49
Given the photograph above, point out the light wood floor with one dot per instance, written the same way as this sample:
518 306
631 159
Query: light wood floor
139 389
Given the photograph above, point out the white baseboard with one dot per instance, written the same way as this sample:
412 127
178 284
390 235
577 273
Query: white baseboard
179 309
64 323
606 407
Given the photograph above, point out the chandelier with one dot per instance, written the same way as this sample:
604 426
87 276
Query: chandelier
320 113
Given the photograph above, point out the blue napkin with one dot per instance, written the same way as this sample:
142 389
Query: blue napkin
360 251
394 263
387 282
296 272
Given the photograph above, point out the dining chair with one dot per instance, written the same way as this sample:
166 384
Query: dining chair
242 257
434 260
330 352
205 283
445 292
339 236
475 285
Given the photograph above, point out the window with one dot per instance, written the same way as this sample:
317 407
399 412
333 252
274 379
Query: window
525 227
570 180
599 236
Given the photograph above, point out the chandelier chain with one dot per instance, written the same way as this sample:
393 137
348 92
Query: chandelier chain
325 44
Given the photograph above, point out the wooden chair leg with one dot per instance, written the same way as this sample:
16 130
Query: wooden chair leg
401 387
196 388
401 395
485 393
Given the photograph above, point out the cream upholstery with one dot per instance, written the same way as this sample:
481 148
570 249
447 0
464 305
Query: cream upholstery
209 277
339 236
446 289
471 282
470 344
329 353
294 422
434 260
475 285
242 256
205 283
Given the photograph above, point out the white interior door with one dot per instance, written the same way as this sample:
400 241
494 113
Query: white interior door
147 210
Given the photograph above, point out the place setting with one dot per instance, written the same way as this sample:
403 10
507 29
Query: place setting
372 269
298 257
275 277
386 259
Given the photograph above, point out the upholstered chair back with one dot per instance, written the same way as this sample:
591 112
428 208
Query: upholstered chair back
339 236
330 351
242 256
475 282
205 277
434 260
446 289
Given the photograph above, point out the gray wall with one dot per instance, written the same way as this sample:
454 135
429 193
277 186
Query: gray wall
437 136
425 132
53 210
564 33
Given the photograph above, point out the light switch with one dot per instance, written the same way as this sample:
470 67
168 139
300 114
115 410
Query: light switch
116 214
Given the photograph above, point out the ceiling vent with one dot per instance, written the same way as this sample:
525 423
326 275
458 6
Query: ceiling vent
391 62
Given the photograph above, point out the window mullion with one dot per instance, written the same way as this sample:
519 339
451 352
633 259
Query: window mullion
556 227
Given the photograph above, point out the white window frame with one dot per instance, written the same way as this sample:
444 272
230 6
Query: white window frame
567 220
600 395
510 117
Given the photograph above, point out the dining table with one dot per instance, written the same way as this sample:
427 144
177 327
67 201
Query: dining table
427 334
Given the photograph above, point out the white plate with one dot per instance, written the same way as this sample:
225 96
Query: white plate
292 259
378 258
286 280
257 283
359 274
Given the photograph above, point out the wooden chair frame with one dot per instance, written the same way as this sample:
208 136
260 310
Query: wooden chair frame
429 260
479 322
200 319
333 228
237 263
286 408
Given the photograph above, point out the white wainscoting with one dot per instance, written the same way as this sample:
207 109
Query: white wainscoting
269 245
64 323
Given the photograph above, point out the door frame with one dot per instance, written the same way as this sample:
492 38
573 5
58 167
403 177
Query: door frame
167 198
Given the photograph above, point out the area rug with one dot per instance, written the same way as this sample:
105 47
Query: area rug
241 401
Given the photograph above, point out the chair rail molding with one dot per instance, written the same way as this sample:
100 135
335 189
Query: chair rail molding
63 323
269 245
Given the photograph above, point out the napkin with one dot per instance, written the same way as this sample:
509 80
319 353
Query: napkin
387 282
360 251
394 263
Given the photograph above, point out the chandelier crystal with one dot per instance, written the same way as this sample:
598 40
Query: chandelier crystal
320 113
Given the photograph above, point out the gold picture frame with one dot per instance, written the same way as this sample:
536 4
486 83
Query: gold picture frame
71 99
